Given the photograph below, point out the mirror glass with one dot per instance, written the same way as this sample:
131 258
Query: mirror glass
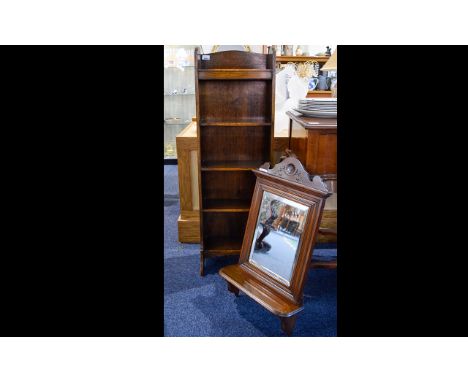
277 235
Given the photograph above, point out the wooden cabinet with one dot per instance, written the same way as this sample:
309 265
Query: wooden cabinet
314 142
235 115
187 153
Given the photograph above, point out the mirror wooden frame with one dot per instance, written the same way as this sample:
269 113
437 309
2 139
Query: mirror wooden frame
289 180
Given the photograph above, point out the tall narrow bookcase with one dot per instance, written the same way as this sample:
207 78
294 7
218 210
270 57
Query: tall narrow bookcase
235 112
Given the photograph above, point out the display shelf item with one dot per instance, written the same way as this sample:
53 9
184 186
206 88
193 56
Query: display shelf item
235 110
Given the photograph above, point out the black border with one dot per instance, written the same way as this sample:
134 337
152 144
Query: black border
401 271
83 248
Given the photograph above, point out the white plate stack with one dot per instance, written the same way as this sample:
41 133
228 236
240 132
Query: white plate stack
317 107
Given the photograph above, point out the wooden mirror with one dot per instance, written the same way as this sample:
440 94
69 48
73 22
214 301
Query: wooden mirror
281 230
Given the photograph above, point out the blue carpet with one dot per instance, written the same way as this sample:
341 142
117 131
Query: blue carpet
202 306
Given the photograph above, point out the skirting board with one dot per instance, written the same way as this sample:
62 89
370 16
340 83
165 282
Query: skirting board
189 229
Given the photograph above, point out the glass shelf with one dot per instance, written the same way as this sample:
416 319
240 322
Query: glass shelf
176 123
179 67
178 75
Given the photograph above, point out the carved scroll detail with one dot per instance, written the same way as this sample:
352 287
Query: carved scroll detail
291 169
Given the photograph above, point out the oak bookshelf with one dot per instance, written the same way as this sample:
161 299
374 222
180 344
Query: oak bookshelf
235 109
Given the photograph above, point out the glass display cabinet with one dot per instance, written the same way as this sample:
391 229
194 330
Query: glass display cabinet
179 93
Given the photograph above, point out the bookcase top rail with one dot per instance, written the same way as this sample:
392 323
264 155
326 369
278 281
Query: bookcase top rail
235 74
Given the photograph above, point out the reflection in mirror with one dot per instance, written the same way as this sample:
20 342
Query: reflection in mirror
277 234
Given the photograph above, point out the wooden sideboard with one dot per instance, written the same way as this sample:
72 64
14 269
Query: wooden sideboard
313 140
187 153
187 158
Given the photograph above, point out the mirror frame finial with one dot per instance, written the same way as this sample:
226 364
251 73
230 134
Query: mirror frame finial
292 169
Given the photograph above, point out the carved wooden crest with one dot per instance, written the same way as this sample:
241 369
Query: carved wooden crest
291 169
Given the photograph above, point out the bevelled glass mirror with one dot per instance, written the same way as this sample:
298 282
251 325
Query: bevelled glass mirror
277 235
283 222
